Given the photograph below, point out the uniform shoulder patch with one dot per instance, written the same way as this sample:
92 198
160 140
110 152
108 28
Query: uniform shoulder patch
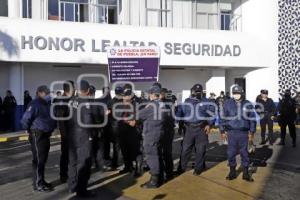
29 109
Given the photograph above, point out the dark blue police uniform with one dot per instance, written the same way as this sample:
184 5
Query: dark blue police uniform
237 118
39 124
155 118
196 117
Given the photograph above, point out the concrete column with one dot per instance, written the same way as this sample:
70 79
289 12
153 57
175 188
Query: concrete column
16 85
216 83
14 8
40 9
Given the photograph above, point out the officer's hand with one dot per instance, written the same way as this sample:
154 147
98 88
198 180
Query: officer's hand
107 112
251 137
207 129
272 117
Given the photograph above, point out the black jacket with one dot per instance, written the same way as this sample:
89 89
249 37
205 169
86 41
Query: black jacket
155 118
269 107
287 109
83 120
9 104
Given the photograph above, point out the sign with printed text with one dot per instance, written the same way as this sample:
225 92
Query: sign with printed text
135 64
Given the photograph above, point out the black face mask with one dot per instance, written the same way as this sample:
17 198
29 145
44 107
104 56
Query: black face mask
198 96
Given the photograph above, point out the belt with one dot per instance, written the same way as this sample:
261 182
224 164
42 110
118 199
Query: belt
201 124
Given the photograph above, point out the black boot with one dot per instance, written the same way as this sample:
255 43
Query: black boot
126 169
179 170
49 185
232 174
271 140
42 188
246 175
154 182
263 141
139 167
63 179
282 143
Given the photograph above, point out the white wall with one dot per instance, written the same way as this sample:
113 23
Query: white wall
216 82
260 19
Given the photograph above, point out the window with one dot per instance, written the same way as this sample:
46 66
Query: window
206 16
106 12
26 9
159 13
3 8
53 10
102 11
67 10
225 20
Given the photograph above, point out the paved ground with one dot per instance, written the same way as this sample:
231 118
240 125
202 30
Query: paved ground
276 171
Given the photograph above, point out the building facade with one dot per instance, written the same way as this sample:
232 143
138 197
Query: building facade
213 42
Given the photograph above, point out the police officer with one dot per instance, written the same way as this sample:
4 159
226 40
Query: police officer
169 132
195 112
129 137
267 115
154 129
106 131
96 140
9 106
114 137
62 111
238 125
39 124
80 140
287 117
27 99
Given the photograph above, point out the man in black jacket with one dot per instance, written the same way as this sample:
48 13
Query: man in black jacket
81 126
287 117
9 106
267 115
62 111
27 99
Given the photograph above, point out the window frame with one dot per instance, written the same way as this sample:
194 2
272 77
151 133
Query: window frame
161 12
